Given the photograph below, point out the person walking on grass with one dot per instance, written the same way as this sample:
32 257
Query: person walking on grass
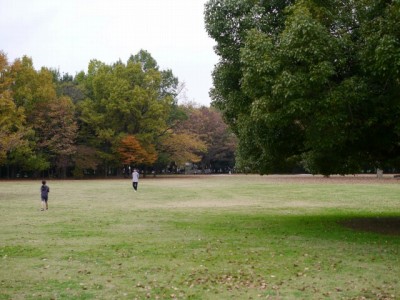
44 193
135 179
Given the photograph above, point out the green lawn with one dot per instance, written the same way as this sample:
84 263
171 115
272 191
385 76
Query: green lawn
206 237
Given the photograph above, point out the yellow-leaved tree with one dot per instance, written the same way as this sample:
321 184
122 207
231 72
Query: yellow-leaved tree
184 147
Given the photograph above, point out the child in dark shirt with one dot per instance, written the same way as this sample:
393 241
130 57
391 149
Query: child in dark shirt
44 193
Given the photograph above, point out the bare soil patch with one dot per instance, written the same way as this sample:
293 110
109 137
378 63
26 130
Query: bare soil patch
298 178
333 179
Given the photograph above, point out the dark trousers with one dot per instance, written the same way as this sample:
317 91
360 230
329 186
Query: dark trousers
134 184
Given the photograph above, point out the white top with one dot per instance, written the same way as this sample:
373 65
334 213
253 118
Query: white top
135 176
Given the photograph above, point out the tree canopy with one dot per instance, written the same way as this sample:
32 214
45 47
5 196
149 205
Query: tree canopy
101 121
310 84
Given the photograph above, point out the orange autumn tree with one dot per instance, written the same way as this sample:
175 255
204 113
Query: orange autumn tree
132 151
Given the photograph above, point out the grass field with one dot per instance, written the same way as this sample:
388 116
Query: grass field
205 237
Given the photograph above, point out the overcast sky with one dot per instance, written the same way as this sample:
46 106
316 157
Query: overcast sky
67 34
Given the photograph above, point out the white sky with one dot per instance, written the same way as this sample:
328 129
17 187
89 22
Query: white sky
67 34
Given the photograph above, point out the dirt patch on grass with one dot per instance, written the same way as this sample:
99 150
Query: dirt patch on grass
334 179
300 178
385 225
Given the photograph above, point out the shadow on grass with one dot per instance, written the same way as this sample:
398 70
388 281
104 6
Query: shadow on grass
328 227
381 225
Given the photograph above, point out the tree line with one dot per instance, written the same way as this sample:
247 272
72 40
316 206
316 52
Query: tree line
104 121
309 84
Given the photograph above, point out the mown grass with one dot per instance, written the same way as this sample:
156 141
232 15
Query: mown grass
210 237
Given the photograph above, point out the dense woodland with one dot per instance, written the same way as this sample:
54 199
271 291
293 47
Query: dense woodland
304 85
309 83
104 122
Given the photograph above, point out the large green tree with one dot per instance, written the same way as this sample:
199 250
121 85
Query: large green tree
310 83
133 98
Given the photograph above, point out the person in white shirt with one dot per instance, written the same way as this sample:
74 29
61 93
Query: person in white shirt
135 179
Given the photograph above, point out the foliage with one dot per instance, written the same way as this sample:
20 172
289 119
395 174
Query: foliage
207 124
51 118
132 152
128 99
95 122
85 158
183 147
13 127
56 130
310 83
